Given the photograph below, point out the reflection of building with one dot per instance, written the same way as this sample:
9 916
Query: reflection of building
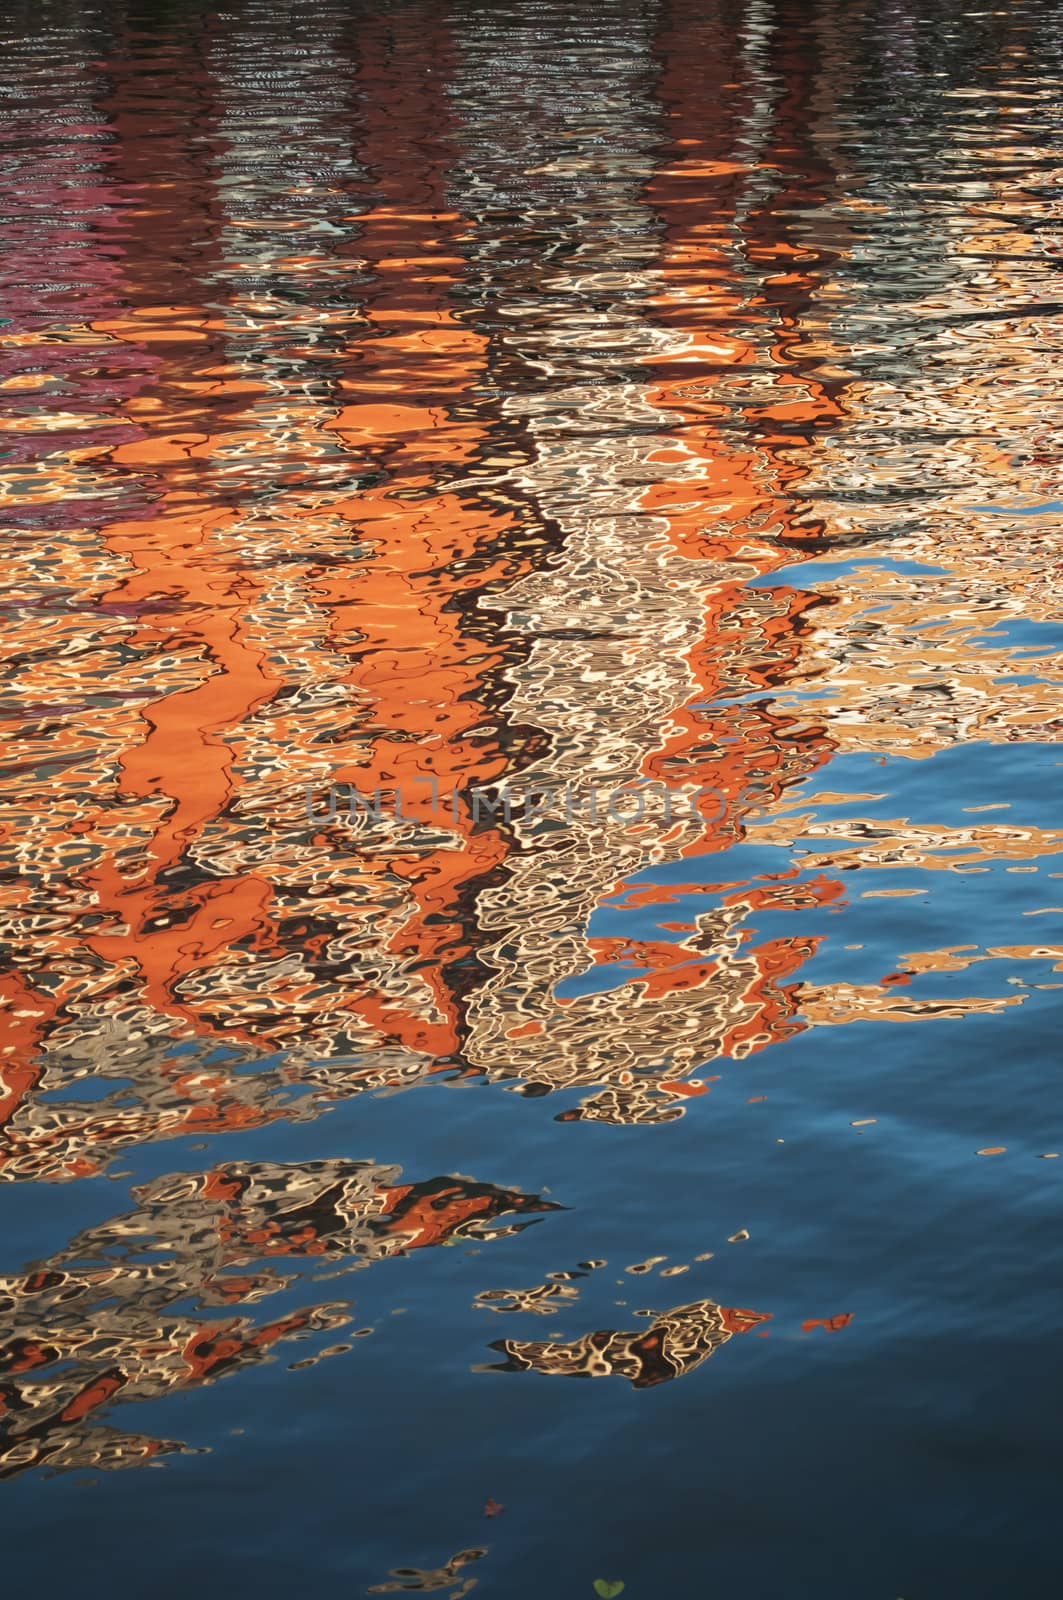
674 1344
949 381
395 477
230 594
644 621
99 1321
293 593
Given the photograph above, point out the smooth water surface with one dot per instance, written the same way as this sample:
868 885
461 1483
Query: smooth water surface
532 642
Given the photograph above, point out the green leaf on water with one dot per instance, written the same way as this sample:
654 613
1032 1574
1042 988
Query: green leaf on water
607 1588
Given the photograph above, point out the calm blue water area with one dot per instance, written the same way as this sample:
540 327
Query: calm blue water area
1024 636
898 1224
38 1215
810 574
1021 511
94 1088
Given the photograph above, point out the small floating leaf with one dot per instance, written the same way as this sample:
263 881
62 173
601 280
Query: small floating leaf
607 1588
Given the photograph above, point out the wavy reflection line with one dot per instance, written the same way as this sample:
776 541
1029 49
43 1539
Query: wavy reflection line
106 1319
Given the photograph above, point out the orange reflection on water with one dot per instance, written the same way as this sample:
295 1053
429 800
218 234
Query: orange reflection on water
423 446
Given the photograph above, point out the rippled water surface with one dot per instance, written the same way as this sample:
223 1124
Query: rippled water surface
532 644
